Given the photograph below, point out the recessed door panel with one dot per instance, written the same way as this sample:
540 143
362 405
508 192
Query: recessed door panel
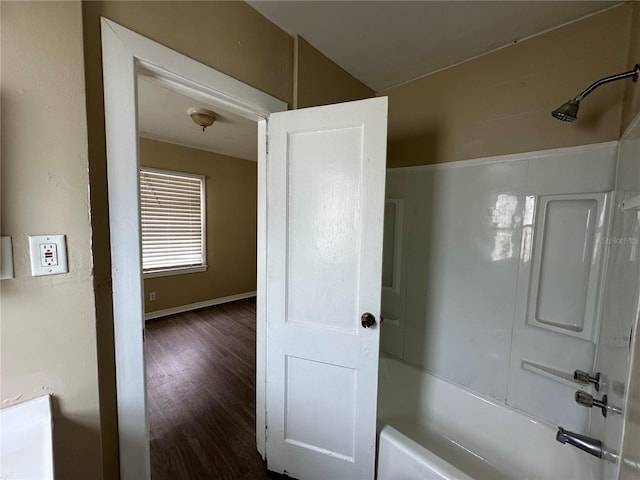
320 418
324 231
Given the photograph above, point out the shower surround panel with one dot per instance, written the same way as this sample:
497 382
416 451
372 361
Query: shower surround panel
459 303
620 309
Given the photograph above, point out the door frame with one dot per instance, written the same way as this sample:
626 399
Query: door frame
125 55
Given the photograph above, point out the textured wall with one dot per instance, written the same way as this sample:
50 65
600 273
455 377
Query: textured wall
631 106
501 103
319 81
48 323
231 226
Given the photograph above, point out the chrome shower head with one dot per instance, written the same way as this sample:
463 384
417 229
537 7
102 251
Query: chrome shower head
568 111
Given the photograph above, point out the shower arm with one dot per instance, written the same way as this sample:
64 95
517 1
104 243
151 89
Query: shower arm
631 73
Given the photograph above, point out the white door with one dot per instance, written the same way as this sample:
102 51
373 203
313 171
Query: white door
325 198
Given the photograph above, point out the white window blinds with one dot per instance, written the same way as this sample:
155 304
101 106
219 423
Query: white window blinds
172 212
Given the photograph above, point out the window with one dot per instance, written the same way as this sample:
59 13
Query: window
172 217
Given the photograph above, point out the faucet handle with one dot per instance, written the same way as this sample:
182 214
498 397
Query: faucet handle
586 400
585 379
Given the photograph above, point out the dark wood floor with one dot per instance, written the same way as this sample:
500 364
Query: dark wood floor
201 394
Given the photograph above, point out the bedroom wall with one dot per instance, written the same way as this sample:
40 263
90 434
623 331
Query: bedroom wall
231 203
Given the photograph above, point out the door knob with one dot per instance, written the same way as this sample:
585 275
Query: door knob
367 320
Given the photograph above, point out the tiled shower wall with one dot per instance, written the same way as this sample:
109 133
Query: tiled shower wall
461 272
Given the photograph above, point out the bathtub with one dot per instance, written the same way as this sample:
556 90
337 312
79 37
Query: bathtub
26 440
432 429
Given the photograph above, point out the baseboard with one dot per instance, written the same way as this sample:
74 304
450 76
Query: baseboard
194 306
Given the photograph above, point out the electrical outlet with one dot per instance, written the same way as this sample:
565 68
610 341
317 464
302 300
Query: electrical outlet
48 254
152 296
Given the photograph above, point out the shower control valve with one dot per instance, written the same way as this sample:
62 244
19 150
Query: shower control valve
586 400
585 379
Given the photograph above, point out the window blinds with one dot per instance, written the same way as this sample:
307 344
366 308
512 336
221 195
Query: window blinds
172 219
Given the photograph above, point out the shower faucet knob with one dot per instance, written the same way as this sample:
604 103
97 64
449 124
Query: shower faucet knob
585 379
586 400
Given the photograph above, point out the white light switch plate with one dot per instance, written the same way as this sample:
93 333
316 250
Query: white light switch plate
48 254
6 258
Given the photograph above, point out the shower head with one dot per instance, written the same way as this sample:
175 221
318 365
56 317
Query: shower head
568 111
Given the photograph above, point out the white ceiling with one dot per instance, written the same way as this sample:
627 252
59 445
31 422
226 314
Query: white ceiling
162 115
387 43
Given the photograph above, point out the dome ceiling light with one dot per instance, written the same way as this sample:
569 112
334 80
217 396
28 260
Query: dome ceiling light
202 117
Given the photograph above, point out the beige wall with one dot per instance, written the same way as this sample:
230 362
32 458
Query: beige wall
231 226
229 36
632 93
319 81
48 341
501 102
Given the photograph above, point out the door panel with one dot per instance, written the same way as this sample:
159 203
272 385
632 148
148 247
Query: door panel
323 227
303 397
325 177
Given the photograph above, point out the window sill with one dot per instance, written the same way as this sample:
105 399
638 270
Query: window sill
175 271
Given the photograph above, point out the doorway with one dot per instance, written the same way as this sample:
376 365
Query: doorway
125 56
325 176
198 194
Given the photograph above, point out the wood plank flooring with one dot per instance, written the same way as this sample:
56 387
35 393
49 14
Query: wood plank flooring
201 394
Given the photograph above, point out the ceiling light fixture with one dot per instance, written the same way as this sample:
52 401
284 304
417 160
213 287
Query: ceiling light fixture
202 117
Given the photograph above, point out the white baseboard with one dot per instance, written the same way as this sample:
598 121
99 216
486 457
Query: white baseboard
194 306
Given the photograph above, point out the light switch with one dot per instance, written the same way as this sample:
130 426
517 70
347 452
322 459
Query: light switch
6 258
48 254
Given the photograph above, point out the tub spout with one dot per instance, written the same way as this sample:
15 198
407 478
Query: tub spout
590 445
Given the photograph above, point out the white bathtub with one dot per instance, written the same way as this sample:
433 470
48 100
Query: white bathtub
432 429
26 440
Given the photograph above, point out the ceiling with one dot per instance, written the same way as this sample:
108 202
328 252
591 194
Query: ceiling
162 115
387 43
381 43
